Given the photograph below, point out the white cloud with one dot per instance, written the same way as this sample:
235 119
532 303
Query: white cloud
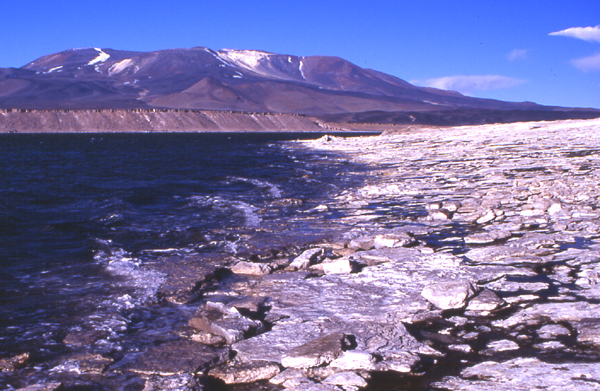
585 33
469 84
591 63
517 54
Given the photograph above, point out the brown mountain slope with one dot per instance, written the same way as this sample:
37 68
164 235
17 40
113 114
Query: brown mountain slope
238 80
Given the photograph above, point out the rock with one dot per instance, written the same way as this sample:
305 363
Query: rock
353 360
252 304
321 208
554 209
251 268
208 339
315 353
440 214
346 379
532 212
524 374
338 266
450 294
186 277
232 326
451 206
490 215
14 363
550 345
572 312
183 382
463 348
246 373
588 331
178 357
488 237
272 345
501 346
288 374
52 386
401 239
362 243
314 387
85 337
507 255
486 300
399 361
85 363
307 258
551 331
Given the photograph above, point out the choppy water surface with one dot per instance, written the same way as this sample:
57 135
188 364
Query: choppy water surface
84 220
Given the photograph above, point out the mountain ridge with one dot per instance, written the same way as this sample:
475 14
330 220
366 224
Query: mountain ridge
233 80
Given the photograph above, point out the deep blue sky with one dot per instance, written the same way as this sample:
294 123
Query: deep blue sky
501 49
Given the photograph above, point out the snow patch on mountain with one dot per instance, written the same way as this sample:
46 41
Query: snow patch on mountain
301 70
100 58
120 66
247 59
54 69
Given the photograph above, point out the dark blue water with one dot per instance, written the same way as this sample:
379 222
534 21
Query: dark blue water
84 217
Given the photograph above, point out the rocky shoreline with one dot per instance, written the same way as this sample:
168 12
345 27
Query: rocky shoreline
470 262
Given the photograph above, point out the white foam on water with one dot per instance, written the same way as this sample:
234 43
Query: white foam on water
121 263
108 322
248 211
273 190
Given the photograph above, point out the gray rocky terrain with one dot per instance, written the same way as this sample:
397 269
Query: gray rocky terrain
470 262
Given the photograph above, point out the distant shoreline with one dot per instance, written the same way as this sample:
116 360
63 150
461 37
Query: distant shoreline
152 120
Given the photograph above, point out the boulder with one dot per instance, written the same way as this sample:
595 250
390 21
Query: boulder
486 300
551 331
14 363
338 266
233 327
449 294
346 379
181 382
50 386
315 353
353 360
307 258
400 239
246 372
524 374
251 268
588 331
178 357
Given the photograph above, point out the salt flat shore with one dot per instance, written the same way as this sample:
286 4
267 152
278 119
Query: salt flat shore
470 262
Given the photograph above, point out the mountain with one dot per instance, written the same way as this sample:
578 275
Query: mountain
242 80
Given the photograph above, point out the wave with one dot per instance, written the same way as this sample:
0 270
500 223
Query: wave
220 204
271 188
